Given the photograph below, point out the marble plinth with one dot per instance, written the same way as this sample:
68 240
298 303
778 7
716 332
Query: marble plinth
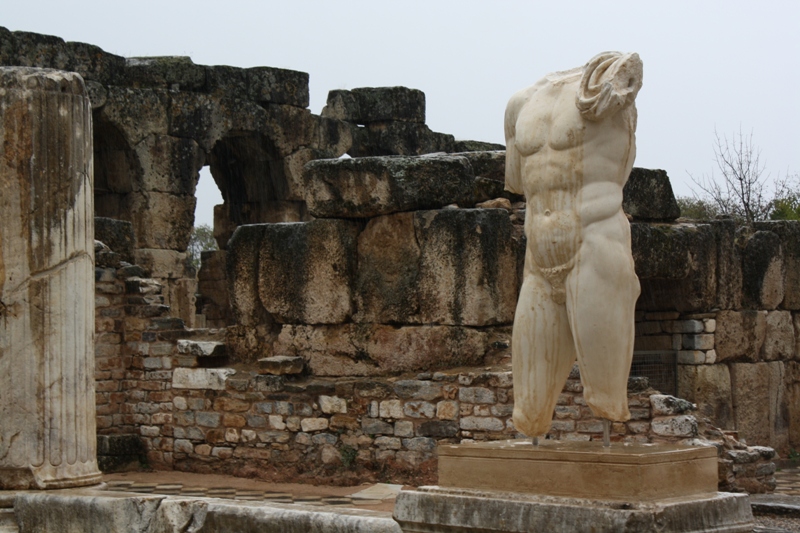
47 409
574 487
627 472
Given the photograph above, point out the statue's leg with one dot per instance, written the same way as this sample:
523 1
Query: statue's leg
542 356
601 297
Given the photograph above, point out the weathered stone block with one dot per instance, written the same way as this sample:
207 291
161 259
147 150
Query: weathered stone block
455 267
759 403
47 400
169 164
162 220
708 386
201 378
136 113
280 365
648 196
788 232
399 138
374 349
117 235
779 340
740 334
413 389
675 426
762 271
676 265
376 104
278 86
374 186
306 271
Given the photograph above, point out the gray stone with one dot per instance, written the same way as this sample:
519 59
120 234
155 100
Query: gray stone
663 405
399 138
647 195
373 426
460 510
413 389
481 423
675 426
789 233
374 186
376 104
438 428
476 395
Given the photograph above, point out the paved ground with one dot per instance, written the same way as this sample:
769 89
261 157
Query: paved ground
380 497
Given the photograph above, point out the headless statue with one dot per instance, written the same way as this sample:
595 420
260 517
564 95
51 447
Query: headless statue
570 146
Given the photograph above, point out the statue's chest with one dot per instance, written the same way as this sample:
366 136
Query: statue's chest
551 122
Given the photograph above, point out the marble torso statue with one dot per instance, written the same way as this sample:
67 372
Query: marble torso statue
570 147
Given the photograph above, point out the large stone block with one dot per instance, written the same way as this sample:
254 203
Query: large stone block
165 72
303 272
374 349
47 403
457 267
729 264
779 341
169 164
762 271
278 86
740 335
136 113
374 186
162 220
676 265
789 233
759 402
399 138
709 386
648 196
376 104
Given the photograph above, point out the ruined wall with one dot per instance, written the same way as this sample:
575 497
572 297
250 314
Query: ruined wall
159 120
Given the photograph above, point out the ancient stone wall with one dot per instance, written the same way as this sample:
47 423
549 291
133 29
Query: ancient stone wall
158 120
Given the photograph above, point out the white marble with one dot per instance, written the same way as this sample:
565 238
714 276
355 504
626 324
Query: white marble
47 409
570 141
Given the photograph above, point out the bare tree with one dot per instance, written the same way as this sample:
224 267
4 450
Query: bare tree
742 190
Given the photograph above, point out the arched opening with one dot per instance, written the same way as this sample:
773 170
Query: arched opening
116 171
251 175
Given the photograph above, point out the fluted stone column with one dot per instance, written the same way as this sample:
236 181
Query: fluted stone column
47 410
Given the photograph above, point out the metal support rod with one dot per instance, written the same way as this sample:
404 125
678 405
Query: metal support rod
606 433
535 441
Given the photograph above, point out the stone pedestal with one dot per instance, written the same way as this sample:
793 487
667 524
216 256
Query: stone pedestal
574 487
47 410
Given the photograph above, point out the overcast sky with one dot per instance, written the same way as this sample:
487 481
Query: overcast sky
707 65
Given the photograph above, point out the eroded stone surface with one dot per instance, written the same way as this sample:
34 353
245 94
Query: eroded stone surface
47 433
373 186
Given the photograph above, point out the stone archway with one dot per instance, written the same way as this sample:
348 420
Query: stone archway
116 171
